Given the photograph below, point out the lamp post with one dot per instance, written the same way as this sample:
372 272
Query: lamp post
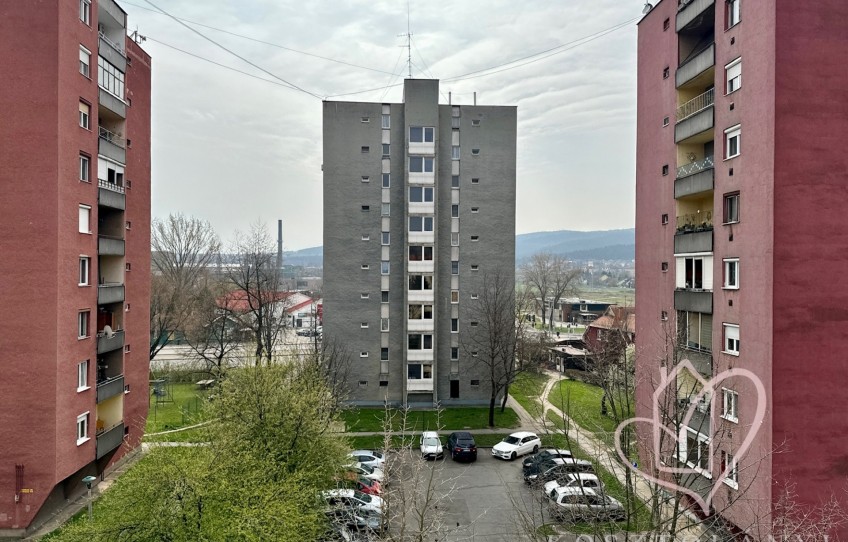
88 481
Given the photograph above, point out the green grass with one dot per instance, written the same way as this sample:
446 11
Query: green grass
196 434
622 296
448 419
184 406
526 390
582 403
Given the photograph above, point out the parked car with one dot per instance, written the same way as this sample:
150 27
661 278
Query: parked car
366 471
578 504
352 480
372 458
310 332
345 519
520 443
546 453
551 469
351 498
585 480
461 445
431 445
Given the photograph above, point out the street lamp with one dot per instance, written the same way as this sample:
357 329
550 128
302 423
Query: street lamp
88 480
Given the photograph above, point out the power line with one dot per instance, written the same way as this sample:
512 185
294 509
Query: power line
295 87
328 59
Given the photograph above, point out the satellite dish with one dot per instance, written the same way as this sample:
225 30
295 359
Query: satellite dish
648 7
108 331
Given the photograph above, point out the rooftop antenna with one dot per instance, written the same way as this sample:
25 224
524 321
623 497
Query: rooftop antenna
648 7
408 42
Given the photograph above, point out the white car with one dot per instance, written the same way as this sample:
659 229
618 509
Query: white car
431 445
585 480
372 458
372 473
578 504
517 444
352 498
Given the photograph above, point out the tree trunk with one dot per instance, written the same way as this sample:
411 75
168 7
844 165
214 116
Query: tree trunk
492 401
506 396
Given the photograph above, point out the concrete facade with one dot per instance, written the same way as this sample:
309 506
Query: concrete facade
772 205
463 175
50 143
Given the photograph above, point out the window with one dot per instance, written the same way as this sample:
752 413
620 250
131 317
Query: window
418 253
420 194
475 324
84 219
82 428
364 119
455 211
666 72
85 11
693 272
384 324
475 152
384 268
455 152
387 180
419 341
363 354
420 164
128 267
366 237
665 121
386 121
82 324
85 168
384 296
731 274
664 219
475 383
386 150
421 134
454 325
733 141
475 180
366 208
730 405
475 296
695 451
695 330
366 179
363 383
85 61
110 78
420 223
475 238
420 282
82 376
417 371
666 24
384 238
365 149
455 111
454 181
475 209
728 464
732 13
364 295
731 208
665 169
454 353
386 209
475 122
363 325
455 267
454 296
455 239
84 264
84 115
664 316
664 266
475 267
384 354
731 339
365 266
421 312
733 75
128 225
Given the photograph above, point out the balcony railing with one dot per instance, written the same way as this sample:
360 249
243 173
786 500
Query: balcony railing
107 343
109 387
110 292
419 384
695 222
114 45
694 105
109 439
696 167
110 186
113 138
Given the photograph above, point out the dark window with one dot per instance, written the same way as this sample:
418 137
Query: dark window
664 266
384 296
454 389
455 181
666 72
384 354
365 149
665 169
384 383
454 352
475 382
665 218
731 208
666 24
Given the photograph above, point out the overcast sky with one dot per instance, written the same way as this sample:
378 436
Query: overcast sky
234 150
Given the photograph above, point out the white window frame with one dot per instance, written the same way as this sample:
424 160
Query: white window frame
85 168
426 192
363 354
732 478
85 62
725 199
82 376
683 451
384 324
84 219
84 115
455 152
426 220
426 163
85 11
734 132
421 339
386 121
385 267
387 180
83 424
425 131
84 271
364 295
455 239
731 263
422 310
366 237
385 238
733 76
365 266
730 405
734 15
730 338
386 209
83 324
423 283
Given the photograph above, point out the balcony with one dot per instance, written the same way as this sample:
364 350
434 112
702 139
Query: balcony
110 293
695 117
688 11
701 360
107 343
110 387
113 103
112 146
700 412
420 325
695 65
110 246
419 384
111 195
694 178
689 242
693 301
112 52
109 439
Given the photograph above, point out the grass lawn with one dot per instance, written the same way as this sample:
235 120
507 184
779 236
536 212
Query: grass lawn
622 296
448 419
582 403
183 407
526 390
196 434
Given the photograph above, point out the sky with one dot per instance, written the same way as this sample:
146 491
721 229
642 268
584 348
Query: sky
238 151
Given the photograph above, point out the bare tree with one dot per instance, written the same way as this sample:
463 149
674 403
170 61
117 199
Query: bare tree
536 273
214 331
183 247
563 282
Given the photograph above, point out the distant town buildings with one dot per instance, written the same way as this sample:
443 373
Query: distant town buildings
75 216
740 199
419 206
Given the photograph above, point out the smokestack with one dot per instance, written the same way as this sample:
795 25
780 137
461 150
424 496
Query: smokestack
475 97
279 244
450 95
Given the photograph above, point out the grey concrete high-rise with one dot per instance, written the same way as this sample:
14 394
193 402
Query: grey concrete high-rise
419 207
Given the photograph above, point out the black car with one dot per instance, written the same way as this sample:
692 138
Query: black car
545 455
545 471
461 445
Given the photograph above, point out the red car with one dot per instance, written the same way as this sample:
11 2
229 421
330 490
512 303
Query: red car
369 487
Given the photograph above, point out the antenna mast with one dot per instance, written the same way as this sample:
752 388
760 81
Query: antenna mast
408 42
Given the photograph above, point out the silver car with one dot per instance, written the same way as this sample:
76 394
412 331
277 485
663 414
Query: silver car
583 504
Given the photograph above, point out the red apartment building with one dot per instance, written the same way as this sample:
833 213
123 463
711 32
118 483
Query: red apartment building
75 246
741 198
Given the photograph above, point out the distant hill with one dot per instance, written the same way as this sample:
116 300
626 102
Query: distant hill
578 245
307 257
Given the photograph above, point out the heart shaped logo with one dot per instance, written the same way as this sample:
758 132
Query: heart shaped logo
663 425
